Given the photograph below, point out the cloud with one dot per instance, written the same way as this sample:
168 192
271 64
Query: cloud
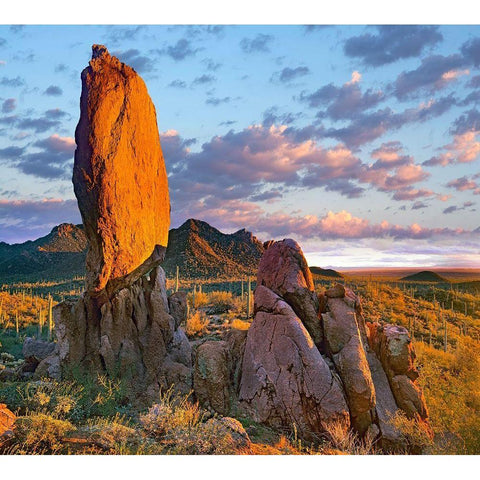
463 149
61 67
180 50
11 153
391 43
177 84
455 208
52 158
12 82
119 34
53 90
412 194
204 79
288 74
467 122
136 60
215 101
39 125
259 158
272 117
343 102
22 220
211 65
57 144
55 113
368 126
471 51
464 183
9 105
342 225
434 73
260 43
419 205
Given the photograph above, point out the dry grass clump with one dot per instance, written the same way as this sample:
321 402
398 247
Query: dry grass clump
239 324
346 441
39 433
178 427
197 324
170 414
416 434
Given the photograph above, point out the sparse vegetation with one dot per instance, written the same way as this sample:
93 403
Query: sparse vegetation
104 421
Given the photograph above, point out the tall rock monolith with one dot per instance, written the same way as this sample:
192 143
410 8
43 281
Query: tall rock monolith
124 324
119 175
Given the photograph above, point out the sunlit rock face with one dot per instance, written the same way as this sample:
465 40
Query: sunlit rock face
119 175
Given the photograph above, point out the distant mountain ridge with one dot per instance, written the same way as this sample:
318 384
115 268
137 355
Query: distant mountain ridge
61 253
200 250
325 272
197 248
424 276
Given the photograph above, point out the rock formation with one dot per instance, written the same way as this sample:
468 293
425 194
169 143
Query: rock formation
119 175
124 323
284 270
285 379
350 375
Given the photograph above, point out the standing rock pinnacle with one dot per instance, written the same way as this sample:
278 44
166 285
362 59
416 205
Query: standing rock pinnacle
119 175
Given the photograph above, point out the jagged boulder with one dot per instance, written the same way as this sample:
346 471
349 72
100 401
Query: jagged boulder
394 348
38 349
285 380
345 346
119 175
211 378
284 270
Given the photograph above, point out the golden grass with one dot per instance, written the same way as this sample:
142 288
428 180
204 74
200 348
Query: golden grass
197 324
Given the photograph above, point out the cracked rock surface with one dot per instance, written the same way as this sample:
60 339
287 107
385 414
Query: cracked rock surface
285 379
356 377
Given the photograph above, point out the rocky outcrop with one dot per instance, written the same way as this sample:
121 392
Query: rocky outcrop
355 376
124 323
119 175
131 333
211 379
285 380
284 270
37 348
345 346
393 346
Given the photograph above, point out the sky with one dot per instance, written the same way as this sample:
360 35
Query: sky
360 142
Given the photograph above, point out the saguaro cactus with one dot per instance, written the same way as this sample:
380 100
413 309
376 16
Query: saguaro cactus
176 280
248 297
50 317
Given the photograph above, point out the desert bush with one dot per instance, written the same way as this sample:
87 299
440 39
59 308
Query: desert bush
115 436
416 434
197 324
239 324
75 400
214 437
450 383
39 433
170 414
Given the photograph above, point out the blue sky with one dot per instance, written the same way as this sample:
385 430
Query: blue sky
359 141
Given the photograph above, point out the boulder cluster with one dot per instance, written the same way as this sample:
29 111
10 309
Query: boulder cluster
309 361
